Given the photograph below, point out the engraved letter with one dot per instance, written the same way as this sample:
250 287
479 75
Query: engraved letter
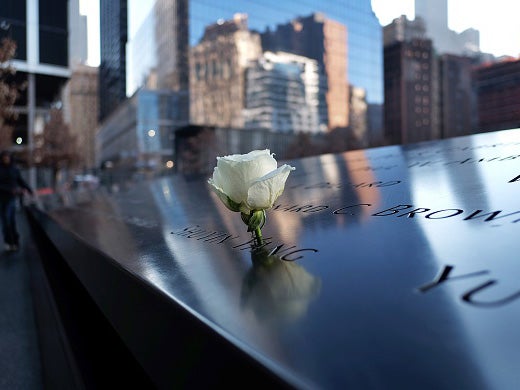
392 210
454 213
389 183
339 211
510 158
315 209
277 248
443 277
515 179
467 297
410 214
298 209
221 238
284 257
492 215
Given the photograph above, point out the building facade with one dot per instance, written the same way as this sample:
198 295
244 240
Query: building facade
358 116
325 41
138 136
80 107
364 39
402 29
457 98
78 49
158 53
409 113
218 63
445 41
498 95
451 101
141 54
172 44
282 93
112 68
40 29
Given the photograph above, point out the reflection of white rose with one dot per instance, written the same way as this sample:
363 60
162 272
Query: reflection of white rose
278 290
247 182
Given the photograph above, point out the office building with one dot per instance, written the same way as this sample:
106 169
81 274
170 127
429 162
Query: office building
172 44
160 49
402 29
364 38
112 68
41 29
78 51
282 93
325 41
452 102
410 114
457 100
138 136
218 64
358 116
141 55
498 95
80 107
446 41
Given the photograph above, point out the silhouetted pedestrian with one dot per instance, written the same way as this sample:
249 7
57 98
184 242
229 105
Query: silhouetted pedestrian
12 185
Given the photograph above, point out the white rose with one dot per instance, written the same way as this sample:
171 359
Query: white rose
249 182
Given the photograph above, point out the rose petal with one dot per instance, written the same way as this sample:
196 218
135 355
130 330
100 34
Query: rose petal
230 181
253 155
229 203
237 172
252 165
263 192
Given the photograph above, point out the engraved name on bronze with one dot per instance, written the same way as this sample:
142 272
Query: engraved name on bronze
285 252
465 161
472 296
405 210
464 148
329 185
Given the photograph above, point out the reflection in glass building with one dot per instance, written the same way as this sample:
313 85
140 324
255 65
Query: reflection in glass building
364 38
355 47
112 69
217 78
282 93
138 135
325 41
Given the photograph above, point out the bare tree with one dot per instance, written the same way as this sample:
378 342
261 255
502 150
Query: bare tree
9 91
56 147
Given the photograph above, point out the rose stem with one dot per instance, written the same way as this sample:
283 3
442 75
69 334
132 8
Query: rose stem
258 236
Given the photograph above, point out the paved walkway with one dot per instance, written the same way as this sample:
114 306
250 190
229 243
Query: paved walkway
19 351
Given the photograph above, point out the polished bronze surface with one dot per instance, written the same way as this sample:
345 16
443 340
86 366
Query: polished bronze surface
393 267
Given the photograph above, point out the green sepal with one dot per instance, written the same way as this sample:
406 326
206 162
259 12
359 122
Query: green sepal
232 205
256 220
245 218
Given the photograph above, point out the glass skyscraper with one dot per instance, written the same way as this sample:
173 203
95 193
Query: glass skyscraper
112 68
40 29
364 63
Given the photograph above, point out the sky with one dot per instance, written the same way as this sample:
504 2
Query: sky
498 24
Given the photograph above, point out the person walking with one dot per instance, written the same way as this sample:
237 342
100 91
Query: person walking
12 185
